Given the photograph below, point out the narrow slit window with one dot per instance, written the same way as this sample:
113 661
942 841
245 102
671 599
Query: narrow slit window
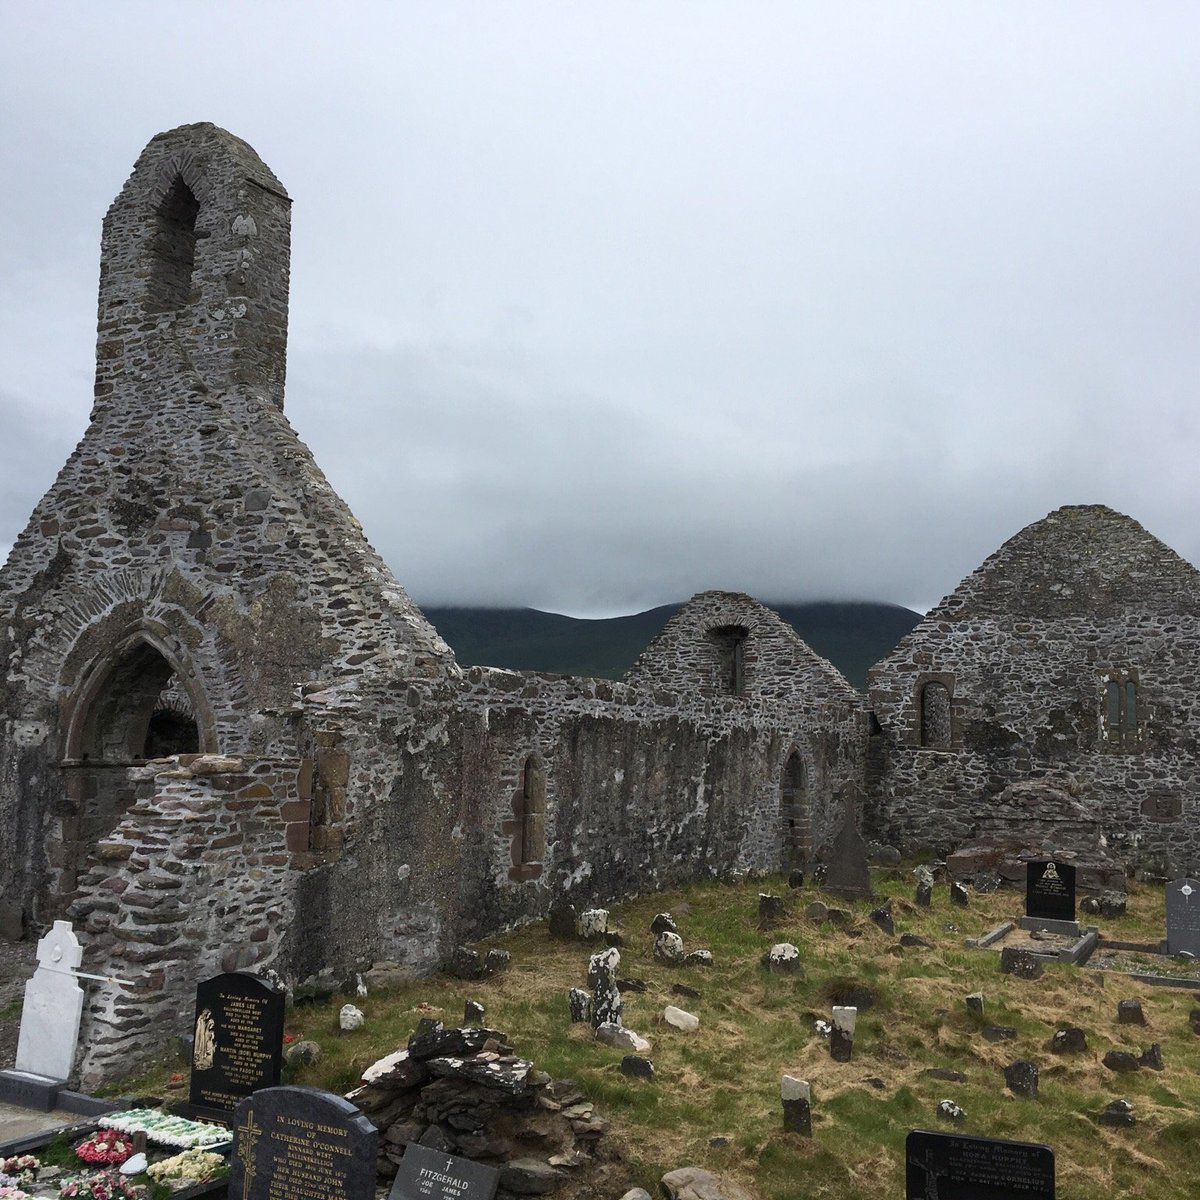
935 716
1129 723
1113 692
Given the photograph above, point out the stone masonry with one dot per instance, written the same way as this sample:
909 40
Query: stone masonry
230 740
1068 663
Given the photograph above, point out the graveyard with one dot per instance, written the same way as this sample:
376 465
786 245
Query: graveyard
311 896
936 1020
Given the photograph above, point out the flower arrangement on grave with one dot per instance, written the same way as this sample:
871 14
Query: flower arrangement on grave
10 1191
19 1164
192 1166
106 1148
109 1185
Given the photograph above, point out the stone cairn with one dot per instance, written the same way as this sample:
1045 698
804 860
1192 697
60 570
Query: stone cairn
463 1091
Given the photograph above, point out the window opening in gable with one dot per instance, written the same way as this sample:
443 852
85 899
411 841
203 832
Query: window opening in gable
935 716
173 249
730 643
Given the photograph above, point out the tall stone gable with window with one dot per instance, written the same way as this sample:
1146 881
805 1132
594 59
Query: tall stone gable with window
228 738
1070 657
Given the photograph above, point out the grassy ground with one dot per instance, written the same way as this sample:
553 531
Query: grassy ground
723 1082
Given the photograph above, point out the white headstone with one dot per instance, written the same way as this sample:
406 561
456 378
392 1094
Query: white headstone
53 1007
845 1017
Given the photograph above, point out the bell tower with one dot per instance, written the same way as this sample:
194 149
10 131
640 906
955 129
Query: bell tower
194 275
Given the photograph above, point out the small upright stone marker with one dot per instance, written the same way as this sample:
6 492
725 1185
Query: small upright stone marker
1021 1078
959 895
53 1007
924 878
841 1036
797 1105
606 996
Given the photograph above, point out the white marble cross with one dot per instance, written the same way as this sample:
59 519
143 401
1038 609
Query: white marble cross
53 1007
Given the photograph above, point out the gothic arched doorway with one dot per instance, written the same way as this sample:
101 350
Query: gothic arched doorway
133 706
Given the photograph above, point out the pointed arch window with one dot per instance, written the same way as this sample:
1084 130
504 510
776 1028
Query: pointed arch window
173 249
528 824
794 812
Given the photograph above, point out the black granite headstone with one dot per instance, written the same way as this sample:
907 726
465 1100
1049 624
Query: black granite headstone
1050 891
426 1174
238 1045
949 1166
1183 917
299 1143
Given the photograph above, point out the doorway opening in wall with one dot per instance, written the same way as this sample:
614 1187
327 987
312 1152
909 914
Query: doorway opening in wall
133 707
794 813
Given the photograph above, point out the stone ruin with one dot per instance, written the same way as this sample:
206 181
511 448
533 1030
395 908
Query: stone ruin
230 740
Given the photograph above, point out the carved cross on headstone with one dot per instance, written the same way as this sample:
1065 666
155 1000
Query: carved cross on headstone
53 1007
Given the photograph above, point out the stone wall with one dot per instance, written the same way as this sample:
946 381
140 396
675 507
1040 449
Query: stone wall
1079 609
190 547
197 878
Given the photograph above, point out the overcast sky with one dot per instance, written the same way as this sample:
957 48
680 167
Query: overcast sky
598 305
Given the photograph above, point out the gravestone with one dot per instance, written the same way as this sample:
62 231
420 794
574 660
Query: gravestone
238 1046
53 1007
1183 916
1050 897
848 874
298 1143
426 1174
950 1166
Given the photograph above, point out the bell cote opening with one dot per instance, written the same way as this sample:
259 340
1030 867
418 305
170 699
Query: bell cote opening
173 250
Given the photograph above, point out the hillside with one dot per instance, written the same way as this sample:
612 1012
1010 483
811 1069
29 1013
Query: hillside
853 636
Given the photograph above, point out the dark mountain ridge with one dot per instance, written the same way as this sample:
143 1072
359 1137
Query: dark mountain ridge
853 635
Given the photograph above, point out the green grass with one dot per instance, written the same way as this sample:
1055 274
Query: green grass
723 1082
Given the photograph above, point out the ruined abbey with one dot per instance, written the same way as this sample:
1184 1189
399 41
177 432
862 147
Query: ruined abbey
230 739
